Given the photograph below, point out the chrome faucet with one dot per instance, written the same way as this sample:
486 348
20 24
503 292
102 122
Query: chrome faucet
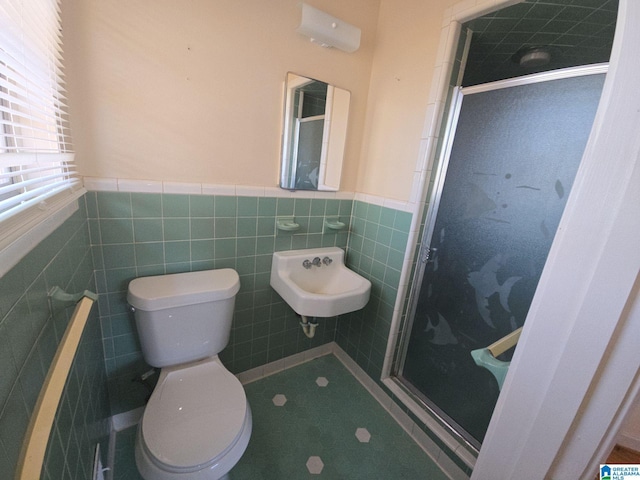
327 261
316 262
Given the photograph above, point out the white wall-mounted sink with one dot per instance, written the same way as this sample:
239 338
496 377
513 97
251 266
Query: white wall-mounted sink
315 282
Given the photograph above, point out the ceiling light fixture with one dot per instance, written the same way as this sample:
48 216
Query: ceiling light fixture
532 56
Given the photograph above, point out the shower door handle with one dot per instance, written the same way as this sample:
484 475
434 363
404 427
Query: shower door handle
428 254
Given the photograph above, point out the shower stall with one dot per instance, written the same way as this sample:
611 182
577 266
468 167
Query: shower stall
507 165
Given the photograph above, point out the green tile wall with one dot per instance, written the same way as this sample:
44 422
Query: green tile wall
29 336
138 234
376 251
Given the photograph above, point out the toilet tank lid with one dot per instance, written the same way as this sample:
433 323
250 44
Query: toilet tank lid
180 289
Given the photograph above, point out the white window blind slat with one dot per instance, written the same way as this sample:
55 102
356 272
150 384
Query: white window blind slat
14 86
29 171
36 152
14 100
35 158
30 200
16 97
32 138
37 22
33 119
29 184
32 197
28 65
32 127
20 72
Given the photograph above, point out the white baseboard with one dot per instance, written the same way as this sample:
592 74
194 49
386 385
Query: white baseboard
284 363
124 420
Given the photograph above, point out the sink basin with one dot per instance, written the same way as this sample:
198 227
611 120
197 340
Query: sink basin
316 283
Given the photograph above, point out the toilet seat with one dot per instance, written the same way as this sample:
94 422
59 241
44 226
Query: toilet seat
195 415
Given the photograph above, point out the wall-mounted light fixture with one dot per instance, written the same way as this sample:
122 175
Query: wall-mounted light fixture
328 31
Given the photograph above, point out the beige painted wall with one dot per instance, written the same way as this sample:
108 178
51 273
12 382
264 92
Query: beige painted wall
407 41
191 91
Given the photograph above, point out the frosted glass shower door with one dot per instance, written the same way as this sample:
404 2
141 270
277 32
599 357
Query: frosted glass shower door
309 153
512 162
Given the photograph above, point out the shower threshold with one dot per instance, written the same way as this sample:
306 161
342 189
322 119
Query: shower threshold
461 450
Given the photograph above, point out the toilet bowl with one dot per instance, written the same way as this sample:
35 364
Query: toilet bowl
197 423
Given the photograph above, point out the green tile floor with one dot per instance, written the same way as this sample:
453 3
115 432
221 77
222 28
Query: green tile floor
314 414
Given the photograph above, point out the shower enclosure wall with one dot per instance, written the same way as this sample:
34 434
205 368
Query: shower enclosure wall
507 168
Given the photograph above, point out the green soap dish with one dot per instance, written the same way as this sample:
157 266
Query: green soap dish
287 224
334 223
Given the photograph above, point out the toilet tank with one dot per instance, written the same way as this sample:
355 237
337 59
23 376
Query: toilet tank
183 317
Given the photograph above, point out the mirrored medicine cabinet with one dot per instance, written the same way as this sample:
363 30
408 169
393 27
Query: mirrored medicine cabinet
313 135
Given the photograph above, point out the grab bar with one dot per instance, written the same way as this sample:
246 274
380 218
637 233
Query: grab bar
35 443
505 343
486 357
58 298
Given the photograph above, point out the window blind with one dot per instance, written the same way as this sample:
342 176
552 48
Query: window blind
37 169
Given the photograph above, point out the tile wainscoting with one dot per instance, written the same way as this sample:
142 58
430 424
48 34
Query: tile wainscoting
29 336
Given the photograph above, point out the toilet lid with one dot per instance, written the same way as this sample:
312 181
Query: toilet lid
194 415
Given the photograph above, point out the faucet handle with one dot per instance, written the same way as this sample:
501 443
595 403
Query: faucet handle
307 264
327 260
317 262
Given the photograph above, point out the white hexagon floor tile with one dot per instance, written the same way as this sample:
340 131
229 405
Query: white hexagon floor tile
279 400
363 435
315 465
322 381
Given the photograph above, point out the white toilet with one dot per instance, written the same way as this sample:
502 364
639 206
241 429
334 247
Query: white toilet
197 423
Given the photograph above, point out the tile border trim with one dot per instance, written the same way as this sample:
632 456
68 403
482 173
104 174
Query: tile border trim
99 184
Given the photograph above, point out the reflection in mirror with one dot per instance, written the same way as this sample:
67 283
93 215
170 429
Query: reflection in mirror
314 133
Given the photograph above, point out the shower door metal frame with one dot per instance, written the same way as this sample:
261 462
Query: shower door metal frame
424 250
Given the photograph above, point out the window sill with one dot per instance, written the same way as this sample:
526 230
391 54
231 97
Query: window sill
26 237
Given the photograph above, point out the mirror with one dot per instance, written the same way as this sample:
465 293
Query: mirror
314 134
